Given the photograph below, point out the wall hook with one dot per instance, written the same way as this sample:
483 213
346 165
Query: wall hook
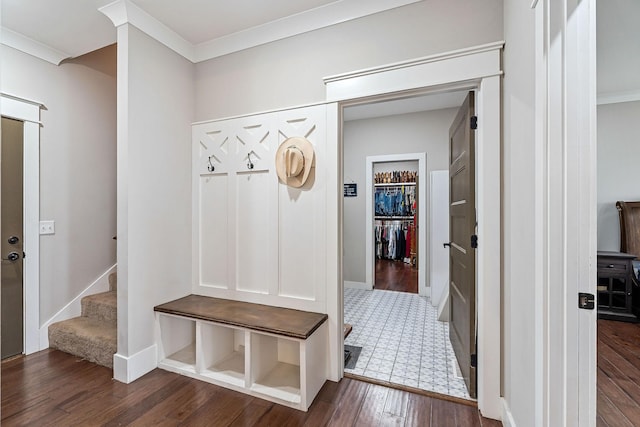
210 166
249 163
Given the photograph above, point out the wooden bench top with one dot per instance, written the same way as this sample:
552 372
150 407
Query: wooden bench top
265 318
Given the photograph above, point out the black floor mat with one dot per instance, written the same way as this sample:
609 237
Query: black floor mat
351 354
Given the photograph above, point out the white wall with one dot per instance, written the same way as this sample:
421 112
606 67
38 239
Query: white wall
518 209
426 131
155 110
77 166
618 167
289 72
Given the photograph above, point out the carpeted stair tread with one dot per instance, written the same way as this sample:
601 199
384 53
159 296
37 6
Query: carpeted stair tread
92 339
102 306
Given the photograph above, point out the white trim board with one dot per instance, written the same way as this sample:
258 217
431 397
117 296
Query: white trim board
478 68
128 369
421 158
357 285
29 112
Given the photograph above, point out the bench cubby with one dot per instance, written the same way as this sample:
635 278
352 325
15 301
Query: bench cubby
177 347
269 352
222 353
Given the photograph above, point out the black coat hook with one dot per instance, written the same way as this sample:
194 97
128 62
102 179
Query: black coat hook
249 163
210 166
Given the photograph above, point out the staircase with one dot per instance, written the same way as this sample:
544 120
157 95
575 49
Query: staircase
93 335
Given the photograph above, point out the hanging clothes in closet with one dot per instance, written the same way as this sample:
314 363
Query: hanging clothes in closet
391 239
395 201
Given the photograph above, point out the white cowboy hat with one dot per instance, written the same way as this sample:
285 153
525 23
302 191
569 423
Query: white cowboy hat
294 160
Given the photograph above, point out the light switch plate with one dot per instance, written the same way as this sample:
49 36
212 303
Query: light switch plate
47 227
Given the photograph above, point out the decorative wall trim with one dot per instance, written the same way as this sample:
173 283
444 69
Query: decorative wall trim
468 65
129 369
618 97
73 308
418 61
31 47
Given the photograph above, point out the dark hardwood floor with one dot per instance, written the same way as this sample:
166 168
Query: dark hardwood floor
51 388
396 276
618 375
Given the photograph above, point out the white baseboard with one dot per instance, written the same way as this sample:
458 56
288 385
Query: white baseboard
357 285
128 369
507 417
425 291
73 308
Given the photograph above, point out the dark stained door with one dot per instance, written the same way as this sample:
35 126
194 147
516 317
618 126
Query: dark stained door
462 265
11 238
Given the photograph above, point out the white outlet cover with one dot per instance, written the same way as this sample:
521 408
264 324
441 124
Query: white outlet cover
47 227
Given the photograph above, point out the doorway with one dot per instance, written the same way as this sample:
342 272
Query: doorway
473 68
395 211
11 238
618 106
396 337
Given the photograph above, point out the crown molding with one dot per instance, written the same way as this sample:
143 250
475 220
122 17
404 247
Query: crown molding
304 22
618 97
31 47
123 11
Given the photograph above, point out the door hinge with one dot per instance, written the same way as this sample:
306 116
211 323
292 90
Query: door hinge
474 122
474 360
586 301
474 241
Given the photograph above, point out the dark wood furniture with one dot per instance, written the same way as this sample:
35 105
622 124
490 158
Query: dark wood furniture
616 287
629 214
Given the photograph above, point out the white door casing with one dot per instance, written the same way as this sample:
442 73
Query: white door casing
473 68
29 113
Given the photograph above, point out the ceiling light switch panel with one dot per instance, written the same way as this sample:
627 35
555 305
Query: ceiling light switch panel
47 227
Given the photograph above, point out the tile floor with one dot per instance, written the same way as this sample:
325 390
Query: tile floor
402 341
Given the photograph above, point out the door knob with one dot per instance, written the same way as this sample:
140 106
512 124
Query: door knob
13 240
13 256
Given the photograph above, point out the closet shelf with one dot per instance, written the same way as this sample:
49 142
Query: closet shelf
394 184
383 217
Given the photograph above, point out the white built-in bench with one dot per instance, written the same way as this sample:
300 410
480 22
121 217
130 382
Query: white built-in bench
274 353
